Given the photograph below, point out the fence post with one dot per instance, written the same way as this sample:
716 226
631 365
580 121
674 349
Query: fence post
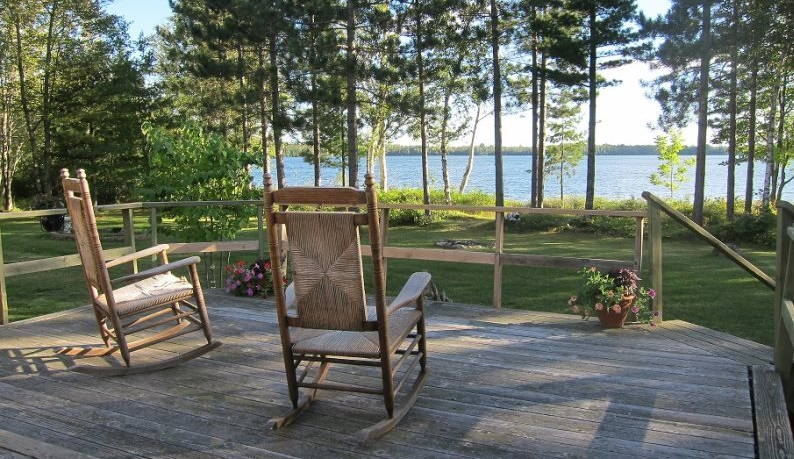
783 285
639 234
384 238
129 234
3 297
260 230
153 228
497 262
655 255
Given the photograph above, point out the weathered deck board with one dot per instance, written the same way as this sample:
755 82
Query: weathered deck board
506 384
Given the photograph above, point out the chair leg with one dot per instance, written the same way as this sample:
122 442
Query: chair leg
388 384
420 328
299 406
202 307
383 427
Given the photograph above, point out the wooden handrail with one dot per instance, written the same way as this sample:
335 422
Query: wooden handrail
710 239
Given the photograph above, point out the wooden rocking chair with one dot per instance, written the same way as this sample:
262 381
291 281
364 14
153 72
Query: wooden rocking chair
323 316
153 298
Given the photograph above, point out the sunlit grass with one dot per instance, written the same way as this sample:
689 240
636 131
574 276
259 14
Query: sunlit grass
699 287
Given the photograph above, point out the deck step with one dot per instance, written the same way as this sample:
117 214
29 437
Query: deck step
772 427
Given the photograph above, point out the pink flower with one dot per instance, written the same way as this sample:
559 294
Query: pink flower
260 276
616 308
240 264
653 324
250 292
575 308
635 309
652 293
572 300
599 306
247 277
267 265
237 283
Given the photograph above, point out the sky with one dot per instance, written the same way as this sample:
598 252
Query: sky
624 111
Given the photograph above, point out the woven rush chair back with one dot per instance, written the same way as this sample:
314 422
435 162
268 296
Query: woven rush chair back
325 252
327 270
89 246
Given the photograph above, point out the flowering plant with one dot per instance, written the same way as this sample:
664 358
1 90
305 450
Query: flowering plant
608 293
253 280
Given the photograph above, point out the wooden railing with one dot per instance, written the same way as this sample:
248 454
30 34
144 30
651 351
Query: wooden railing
784 295
498 258
655 208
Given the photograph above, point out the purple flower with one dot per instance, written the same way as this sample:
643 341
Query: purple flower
656 313
260 276
250 292
635 309
652 293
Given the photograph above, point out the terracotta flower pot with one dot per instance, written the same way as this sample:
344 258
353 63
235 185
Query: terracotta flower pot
612 319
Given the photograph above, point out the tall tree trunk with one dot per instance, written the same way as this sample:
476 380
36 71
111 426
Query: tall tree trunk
420 69
241 84
352 130
766 197
542 132
748 192
731 192
562 173
25 102
278 117
591 122
703 112
444 168
46 92
384 172
6 136
263 122
315 102
497 106
533 199
470 163
780 169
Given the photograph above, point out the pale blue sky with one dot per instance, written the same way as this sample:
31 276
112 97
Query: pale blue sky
624 111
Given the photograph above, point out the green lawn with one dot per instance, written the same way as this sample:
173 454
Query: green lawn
699 287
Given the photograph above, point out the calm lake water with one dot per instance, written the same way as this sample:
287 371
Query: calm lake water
617 177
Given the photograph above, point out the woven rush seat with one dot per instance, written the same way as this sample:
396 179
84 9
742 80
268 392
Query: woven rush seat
148 293
153 301
354 344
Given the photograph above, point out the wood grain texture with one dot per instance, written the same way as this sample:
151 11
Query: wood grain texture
504 383
773 431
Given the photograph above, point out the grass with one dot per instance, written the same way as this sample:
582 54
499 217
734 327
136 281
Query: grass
699 287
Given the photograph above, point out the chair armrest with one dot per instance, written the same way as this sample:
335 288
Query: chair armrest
411 291
137 255
158 270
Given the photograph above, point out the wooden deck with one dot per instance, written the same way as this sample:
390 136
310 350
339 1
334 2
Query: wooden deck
504 384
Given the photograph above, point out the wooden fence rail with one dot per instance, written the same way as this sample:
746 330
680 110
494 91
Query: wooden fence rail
497 257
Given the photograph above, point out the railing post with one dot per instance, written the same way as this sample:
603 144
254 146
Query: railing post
639 234
153 228
497 262
384 238
783 282
260 230
3 297
129 234
655 236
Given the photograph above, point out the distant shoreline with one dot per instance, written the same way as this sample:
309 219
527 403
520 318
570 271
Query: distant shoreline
488 150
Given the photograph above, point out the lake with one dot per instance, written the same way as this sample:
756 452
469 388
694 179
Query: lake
617 176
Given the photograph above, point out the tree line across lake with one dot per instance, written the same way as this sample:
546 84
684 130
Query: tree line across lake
222 86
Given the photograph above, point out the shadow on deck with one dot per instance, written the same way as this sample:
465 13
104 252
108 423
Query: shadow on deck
503 383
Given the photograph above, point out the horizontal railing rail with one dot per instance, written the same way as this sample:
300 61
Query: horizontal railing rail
496 258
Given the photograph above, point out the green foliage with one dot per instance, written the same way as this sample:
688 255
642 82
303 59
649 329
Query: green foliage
414 196
753 229
672 172
189 164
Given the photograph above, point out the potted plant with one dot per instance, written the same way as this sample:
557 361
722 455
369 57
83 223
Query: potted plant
253 280
612 296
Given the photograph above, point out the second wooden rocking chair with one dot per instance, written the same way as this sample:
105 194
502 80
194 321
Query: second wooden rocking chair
323 315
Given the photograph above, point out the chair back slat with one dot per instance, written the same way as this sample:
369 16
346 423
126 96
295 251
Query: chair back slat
327 271
89 246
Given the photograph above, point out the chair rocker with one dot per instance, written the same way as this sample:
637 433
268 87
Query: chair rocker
323 315
153 300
